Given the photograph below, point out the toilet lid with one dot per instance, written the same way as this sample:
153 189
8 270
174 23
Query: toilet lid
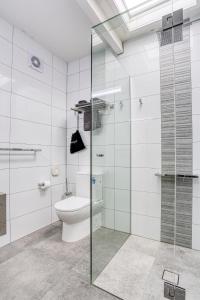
72 204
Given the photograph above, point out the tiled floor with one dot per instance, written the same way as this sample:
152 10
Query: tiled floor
42 267
139 265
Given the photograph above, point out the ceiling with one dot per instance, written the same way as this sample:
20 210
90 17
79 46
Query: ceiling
59 25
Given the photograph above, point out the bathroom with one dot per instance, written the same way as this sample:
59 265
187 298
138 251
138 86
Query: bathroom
99 149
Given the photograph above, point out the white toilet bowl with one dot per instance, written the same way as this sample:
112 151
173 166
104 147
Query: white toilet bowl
74 212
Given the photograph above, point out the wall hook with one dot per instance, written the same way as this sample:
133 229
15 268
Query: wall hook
140 101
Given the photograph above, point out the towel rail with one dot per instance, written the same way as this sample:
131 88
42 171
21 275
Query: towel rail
177 175
21 149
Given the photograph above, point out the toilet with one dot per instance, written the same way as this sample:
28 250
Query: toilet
74 211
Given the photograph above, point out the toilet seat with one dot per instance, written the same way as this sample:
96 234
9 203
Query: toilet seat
71 204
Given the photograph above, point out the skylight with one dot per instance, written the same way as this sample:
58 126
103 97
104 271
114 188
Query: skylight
144 12
134 3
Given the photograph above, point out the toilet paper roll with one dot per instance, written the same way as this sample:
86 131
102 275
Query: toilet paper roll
43 185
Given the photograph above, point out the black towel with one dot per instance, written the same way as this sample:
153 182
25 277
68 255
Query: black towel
76 142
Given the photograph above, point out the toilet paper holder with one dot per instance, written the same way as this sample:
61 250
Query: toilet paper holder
43 185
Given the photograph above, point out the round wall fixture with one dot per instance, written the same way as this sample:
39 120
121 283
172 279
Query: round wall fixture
35 62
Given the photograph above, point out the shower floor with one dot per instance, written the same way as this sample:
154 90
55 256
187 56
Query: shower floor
135 272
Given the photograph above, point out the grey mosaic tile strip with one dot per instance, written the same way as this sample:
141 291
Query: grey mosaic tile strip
176 141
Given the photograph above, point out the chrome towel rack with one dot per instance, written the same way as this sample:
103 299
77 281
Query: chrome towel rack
177 175
21 149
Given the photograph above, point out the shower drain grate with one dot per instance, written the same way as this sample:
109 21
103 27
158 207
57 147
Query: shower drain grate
171 289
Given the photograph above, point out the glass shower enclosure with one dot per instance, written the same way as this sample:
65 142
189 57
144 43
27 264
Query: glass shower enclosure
145 234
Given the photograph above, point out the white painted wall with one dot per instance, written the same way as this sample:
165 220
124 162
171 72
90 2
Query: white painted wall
32 115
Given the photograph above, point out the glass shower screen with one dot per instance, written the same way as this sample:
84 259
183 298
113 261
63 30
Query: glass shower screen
110 158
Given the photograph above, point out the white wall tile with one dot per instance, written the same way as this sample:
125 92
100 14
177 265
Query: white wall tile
5 103
5 52
5 129
73 67
122 221
146 226
195 237
122 133
59 99
122 155
59 117
30 133
144 180
6 30
195 28
73 83
142 130
141 62
146 84
60 65
26 109
145 203
85 63
196 128
108 177
141 43
29 87
59 136
25 179
85 79
58 155
195 48
108 218
4 156
195 74
5 77
122 200
72 119
196 211
29 223
4 181
27 202
146 156
109 198
59 81
71 173
195 101
122 178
